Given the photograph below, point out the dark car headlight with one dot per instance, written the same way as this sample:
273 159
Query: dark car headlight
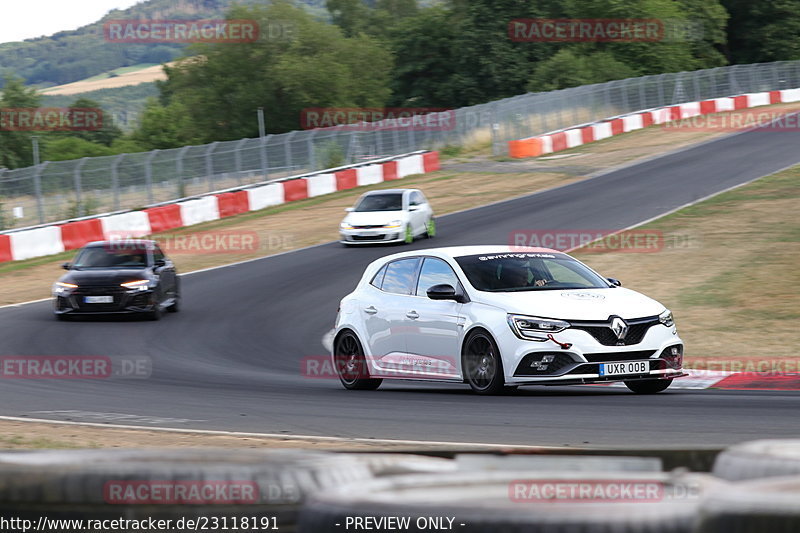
62 288
137 285
535 328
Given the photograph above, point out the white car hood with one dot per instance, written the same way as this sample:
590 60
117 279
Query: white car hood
373 218
578 304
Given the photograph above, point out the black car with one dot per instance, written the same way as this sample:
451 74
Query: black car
130 276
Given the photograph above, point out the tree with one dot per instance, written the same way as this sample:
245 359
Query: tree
15 146
569 69
222 86
761 31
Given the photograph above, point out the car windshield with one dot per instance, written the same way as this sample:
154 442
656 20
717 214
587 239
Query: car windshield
112 257
528 272
381 202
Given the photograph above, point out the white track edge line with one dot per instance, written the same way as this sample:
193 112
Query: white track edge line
282 436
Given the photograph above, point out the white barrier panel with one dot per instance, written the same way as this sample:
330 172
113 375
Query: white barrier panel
547 144
36 242
370 175
126 225
574 138
790 95
407 166
321 184
602 131
199 210
265 196
690 109
660 116
757 99
632 122
724 104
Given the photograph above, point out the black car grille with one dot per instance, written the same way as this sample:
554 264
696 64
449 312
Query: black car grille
601 331
368 227
367 237
613 357
528 366
78 295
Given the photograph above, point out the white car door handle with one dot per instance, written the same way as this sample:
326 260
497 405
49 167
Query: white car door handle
412 315
370 310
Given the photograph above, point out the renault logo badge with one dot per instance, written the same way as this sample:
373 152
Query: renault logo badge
619 327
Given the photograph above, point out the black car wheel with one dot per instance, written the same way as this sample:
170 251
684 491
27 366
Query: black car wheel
482 365
176 305
156 313
351 365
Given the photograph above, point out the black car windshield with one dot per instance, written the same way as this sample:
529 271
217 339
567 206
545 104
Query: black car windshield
381 202
513 272
112 256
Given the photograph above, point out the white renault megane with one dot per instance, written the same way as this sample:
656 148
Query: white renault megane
497 317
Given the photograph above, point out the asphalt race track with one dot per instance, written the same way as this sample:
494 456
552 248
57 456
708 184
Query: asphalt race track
230 360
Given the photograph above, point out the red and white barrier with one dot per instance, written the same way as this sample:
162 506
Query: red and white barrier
57 238
562 140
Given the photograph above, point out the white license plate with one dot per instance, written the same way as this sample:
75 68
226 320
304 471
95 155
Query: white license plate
627 367
98 299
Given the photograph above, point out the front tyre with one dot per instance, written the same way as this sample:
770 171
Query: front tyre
482 364
648 386
351 365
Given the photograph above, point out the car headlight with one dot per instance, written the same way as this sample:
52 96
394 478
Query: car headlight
535 328
666 318
345 225
60 287
138 285
394 224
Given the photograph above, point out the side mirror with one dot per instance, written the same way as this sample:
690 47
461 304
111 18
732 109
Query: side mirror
348 209
444 291
160 263
66 266
413 208
615 282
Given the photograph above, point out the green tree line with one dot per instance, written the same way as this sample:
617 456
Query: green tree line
449 54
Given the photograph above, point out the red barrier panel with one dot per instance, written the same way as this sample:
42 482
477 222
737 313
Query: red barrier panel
389 170
774 97
232 203
5 248
647 119
430 161
708 106
164 218
740 102
675 112
76 234
617 126
559 141
346 179
587 134
296 189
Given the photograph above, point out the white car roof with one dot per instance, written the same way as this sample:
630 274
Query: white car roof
383 191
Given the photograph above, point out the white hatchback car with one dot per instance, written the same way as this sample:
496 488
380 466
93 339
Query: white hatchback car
497 317
388 215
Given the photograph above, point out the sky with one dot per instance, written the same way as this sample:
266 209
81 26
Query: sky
24 19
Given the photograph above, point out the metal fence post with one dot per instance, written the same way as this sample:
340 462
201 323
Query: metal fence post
179 170
37 187
77 177
115 179
148 175
312 160
287 150
237 160
210 165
